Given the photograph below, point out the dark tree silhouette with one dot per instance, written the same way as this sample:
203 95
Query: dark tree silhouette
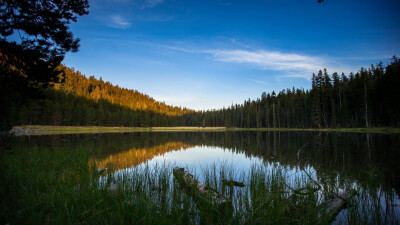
34 38
35 35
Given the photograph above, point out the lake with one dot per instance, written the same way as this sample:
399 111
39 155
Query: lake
369 163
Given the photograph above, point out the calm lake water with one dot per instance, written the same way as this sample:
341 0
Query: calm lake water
367 160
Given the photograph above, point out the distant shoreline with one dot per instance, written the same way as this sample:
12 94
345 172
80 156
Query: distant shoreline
54 130
382 130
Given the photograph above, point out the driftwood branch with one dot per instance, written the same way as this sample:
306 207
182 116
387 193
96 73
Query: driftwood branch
199 191
332 207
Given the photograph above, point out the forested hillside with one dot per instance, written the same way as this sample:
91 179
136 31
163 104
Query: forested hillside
91 88
368 98
79 100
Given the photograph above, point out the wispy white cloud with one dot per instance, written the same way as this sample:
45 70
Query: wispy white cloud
288 65
180 49
258 81
119 22
270 60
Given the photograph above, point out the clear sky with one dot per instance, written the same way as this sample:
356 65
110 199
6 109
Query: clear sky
205 54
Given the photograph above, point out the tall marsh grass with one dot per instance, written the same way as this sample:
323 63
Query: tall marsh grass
59 186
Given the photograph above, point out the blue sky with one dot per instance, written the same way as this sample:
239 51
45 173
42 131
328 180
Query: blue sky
209 54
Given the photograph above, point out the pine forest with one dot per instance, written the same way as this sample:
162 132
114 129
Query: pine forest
367 98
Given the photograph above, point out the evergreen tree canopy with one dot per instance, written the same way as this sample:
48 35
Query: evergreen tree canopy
35 36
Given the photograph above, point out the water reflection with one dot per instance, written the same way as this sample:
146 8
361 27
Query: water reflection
359 156
199 159
135 156
369 160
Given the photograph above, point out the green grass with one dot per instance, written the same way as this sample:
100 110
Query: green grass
59 186
46 130
49 130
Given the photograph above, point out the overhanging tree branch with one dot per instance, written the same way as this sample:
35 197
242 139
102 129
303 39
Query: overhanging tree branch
44 35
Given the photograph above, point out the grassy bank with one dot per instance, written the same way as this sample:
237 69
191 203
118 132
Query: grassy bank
49 130
61 186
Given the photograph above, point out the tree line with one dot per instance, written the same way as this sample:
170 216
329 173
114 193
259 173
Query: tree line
368 98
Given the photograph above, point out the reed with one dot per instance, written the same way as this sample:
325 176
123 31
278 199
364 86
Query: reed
61 186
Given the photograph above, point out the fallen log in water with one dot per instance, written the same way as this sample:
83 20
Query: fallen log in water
332 207
201 192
